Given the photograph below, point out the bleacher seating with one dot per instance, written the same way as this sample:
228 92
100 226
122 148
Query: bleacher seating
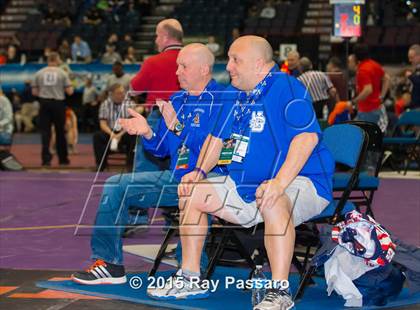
214 17
392 32
35 34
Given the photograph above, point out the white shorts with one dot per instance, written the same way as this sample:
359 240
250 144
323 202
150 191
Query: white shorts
301 192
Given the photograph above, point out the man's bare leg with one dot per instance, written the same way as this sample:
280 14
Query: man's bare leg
194 223
279 237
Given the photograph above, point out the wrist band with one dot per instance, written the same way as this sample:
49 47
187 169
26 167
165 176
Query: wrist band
201 171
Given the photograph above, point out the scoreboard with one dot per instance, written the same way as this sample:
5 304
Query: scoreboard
347 18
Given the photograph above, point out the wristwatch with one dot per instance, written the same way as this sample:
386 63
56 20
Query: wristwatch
178 127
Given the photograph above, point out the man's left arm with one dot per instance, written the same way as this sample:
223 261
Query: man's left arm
301 147
363 78
334 94
386 83
332 91
366 91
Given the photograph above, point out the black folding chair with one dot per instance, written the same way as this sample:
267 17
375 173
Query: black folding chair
171 215
307 235
404 144
368 180
348 145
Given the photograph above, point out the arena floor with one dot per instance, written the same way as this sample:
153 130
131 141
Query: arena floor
40 210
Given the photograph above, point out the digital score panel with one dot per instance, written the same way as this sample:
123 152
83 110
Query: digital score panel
347 20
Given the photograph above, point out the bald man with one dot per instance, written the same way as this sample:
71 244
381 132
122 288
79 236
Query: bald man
157 78
414 59
293 58
157 74
279 171
188 117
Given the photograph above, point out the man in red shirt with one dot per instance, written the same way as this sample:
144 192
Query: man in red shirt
157 75
372 84
157 78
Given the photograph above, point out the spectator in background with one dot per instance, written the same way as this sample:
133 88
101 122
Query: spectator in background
213 46
372 84
337 77
28 111
13 40
80 50
117 9
352 68
111 9
372 16
130 57
118 76
13 56
72 132
90 106
50 16
16 100
253 11
414 58
64 51
268 10
232 37
319 86
109 113
6 119
44 57
93 17
113 40
291 66
3 56
143 7
402 92
125 44
111 55
132 15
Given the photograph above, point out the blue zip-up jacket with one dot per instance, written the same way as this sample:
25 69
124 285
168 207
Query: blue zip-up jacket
198 115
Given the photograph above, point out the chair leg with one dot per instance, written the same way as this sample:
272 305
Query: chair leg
306 259
304 282
217 253
169 234
243 252
298 266
369 204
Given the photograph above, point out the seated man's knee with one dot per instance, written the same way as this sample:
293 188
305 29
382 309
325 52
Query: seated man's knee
281 208
114 180
197 200
118 181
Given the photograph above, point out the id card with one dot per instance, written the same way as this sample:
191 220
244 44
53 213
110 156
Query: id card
241 147
227 152
183 157
234 149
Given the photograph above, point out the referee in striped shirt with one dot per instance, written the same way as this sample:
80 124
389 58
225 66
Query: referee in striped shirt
319 86
110 111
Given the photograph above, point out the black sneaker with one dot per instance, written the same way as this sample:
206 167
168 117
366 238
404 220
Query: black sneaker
64 162
276 299
101 273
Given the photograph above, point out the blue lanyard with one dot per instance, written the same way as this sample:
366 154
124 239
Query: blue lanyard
185 97
245 102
